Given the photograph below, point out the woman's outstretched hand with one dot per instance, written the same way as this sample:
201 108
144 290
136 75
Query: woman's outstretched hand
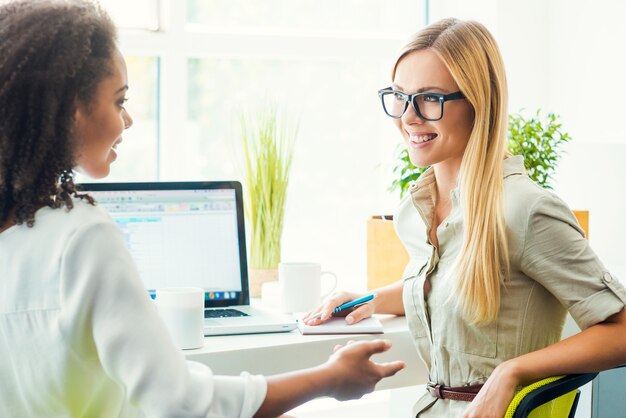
349 373
355 373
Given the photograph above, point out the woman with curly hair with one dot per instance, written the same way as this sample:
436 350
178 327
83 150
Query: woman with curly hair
78 333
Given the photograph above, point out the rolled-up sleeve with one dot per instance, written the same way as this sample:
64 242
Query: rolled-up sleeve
237 396
557 255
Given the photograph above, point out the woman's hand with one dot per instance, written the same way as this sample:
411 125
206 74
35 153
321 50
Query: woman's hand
349 373
338 298
355 374
495 396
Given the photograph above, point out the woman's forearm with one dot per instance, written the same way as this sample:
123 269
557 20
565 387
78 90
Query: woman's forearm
389 299
285 392
599 347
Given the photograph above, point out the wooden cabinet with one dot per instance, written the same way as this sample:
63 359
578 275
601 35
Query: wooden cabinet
386 256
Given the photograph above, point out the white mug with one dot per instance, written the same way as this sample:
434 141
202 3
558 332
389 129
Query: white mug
182 310
301 285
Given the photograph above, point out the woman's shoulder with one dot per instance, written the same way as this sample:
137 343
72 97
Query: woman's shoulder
82 215
521 194
526 202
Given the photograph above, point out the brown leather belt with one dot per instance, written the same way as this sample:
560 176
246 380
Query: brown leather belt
459 393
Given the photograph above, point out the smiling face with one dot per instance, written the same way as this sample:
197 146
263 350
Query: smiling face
440 142
100 123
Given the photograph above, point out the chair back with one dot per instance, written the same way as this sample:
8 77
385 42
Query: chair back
553 397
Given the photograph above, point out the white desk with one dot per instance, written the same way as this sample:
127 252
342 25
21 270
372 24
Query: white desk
269 354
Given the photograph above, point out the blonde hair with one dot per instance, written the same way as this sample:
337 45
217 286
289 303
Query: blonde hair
471 55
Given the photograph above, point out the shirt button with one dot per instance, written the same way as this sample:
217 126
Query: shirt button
607 277
446 225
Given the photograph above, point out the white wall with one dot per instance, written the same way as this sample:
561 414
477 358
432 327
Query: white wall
587 66
567 57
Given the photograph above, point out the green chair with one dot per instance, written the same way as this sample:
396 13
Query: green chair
553 397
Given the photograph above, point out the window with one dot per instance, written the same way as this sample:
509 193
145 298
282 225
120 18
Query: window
331 17
139 158
193 74
135 15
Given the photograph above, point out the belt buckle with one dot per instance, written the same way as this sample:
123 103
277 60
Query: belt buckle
434 389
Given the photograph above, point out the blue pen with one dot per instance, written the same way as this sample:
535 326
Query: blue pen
347 305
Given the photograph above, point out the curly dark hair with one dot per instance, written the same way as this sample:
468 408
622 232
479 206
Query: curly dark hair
53 54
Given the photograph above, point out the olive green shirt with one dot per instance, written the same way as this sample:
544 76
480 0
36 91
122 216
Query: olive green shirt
553 270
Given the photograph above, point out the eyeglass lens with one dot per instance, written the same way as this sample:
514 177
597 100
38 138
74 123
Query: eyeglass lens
429 106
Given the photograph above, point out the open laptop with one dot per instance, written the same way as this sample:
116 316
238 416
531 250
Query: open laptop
191 234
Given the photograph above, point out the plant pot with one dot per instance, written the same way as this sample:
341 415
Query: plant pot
256 278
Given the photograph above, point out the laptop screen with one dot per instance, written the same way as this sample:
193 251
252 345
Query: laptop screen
182 234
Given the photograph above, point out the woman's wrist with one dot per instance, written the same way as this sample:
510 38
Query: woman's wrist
375 302
326 378
388 300
511 373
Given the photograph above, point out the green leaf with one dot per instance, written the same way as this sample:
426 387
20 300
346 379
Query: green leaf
268 151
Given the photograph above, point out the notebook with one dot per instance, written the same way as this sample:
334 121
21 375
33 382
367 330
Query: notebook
337 325
191 234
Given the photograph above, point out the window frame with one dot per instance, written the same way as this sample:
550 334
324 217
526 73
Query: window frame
174 45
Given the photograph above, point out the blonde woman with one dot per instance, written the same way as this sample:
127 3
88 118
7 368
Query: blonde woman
495 261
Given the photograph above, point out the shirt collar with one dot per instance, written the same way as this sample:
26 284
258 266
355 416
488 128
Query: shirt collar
423 192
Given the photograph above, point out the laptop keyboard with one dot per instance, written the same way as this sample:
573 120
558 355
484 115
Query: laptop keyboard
223 313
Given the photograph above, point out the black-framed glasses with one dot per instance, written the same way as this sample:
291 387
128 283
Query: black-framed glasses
428 106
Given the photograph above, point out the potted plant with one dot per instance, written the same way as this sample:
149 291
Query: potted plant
539 139
268 152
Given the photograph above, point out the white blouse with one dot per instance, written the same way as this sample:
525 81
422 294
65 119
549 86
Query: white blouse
80 337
